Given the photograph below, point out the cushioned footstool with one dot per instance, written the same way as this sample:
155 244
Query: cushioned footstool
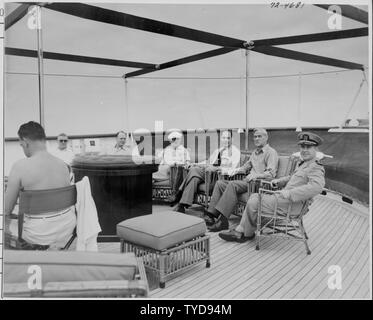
168 242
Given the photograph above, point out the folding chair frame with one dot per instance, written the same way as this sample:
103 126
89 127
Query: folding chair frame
36 202
284 226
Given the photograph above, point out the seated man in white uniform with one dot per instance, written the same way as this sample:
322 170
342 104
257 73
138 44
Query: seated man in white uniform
39 171
173 154
124 146
62 150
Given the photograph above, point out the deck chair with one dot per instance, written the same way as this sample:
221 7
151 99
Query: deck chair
205 189
71 274
162 190
36 202
288 225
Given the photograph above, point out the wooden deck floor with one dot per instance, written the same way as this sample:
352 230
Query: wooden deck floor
339 236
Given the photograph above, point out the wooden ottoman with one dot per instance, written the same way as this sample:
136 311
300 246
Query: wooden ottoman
168 242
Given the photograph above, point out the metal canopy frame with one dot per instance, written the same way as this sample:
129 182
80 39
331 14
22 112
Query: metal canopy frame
77 58
226 44
16 15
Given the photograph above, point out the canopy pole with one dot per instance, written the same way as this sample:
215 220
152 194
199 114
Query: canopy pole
247 99
40 65
126 111
299 111
353 101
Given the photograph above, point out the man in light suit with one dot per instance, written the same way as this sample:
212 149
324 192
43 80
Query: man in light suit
225 158
262 164
306 182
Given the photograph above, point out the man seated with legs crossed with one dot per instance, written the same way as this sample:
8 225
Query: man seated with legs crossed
38 171
226 158
306 182
262 164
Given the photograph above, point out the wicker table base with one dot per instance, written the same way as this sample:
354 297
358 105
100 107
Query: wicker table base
168 262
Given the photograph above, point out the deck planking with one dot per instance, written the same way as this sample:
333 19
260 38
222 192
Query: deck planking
338 235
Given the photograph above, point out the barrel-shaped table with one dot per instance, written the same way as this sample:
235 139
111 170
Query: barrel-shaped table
121 187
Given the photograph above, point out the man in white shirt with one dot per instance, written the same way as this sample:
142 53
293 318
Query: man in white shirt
62 152
174 154
124 146
226 158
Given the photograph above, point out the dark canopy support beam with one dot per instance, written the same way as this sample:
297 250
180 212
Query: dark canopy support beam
333 35
75 58
349 12
229 44
296 55
130 21
16 15
178 62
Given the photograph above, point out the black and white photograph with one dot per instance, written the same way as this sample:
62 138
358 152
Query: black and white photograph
186 150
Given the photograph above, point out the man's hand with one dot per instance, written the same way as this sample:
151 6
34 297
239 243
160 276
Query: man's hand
251 176
212 168
274 183
189 165
230 172
283 193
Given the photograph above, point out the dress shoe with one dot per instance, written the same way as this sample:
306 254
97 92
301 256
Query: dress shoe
173 199
179 208
234 236
209 220
221 224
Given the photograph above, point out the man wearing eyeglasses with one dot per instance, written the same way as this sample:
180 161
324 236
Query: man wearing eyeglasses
62 152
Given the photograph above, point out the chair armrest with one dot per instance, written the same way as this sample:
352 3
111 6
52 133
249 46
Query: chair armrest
266 191
237 176
265 184
69 289
13 216
210 179
137 287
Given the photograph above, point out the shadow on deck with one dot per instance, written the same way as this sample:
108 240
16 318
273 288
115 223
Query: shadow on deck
338 236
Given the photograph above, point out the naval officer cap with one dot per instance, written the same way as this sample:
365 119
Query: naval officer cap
309 138
174 135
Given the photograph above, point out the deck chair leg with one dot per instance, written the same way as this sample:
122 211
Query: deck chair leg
257 246
303 230
307 247
258 223
305 237
208 264
69 243
257 234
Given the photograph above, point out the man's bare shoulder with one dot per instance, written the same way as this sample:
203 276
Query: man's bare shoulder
21 164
